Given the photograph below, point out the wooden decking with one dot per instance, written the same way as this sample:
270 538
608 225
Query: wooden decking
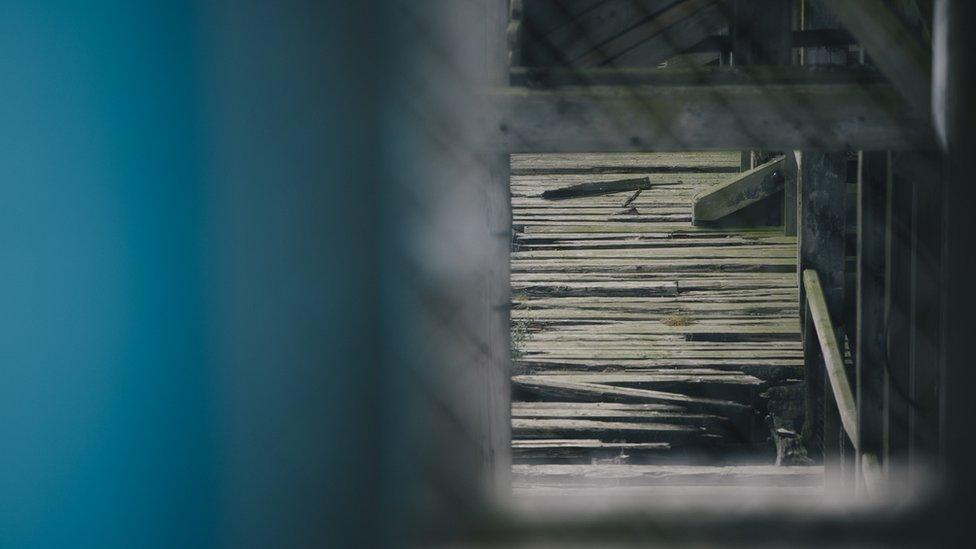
638 337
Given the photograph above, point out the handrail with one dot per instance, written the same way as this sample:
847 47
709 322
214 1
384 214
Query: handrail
834 362
872 473
833 359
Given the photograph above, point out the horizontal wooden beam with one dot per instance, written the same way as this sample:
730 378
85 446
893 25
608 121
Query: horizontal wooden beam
833 359
673 118
555 77
801 39
738 192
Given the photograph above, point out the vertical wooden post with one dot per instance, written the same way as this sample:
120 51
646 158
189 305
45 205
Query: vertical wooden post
925 174
762 34
498 210
955 86
872 188
822 194
898 311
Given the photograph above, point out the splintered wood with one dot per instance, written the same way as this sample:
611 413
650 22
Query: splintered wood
646 339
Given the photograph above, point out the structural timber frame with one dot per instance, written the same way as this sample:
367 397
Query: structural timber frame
899 301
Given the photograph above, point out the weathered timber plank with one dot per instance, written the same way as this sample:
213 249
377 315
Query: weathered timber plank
597 353
581 449
740 191
823 117
609 430
658 475
597 289
525 412
597 406
590 391
670 251
597 188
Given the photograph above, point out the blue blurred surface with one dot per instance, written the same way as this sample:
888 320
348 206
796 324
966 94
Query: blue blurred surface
186 274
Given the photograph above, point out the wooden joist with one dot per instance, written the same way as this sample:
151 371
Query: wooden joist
756 75
740 191
814 117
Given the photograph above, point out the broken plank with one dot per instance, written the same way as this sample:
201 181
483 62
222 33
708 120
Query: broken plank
527 450
597 188
633 289
591 391
604 430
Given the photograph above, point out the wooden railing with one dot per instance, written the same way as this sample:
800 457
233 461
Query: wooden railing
834 366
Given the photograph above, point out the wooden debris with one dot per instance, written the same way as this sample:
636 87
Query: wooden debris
645 319
598 188
632 198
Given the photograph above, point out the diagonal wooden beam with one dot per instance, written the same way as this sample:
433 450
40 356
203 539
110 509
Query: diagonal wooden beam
744 189
893 47
833 359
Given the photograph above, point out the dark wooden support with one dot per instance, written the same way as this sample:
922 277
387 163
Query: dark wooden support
800 39
761 32
822 200
898 315
772 77
790 194
924 171
822 195
870 340
496 412
954 88
761 35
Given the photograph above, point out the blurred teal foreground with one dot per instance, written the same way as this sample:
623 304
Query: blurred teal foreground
188 326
